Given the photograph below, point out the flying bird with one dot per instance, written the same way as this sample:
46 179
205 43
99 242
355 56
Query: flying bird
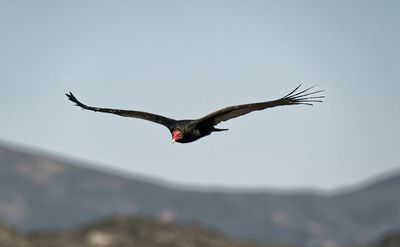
189 130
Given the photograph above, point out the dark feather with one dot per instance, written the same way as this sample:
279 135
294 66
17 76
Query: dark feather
293 98
167 122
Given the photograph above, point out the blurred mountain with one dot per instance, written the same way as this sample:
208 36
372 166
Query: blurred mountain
124 232
40 192
129 231
389 240
144 232
11 238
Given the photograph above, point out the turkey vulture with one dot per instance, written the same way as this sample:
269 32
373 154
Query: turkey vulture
185 131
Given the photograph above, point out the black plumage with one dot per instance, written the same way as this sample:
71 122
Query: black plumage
185 131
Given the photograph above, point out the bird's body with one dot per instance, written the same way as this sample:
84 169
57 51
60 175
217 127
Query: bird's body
185 131
190 134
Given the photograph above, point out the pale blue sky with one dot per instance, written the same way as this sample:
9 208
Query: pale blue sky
184 59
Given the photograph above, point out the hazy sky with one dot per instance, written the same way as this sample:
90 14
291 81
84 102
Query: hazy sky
184 59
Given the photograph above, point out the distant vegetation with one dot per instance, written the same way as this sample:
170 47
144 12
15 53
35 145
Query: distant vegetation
124 232
142 232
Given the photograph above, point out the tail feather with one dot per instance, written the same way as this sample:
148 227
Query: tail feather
216 129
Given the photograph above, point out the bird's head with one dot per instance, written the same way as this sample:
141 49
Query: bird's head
176 135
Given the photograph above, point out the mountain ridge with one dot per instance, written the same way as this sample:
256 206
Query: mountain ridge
307 190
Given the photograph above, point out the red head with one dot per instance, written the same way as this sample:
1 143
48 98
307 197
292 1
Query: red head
176 135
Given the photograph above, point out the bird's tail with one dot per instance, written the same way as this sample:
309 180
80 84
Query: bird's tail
215 129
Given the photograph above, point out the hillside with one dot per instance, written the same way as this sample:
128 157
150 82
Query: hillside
39 192
124 232
388 240
133 231
10 238
143 232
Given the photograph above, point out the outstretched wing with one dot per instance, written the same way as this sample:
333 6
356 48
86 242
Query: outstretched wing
304 97
167 122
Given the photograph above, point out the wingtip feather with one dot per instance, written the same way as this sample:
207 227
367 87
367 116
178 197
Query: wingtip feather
301 97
